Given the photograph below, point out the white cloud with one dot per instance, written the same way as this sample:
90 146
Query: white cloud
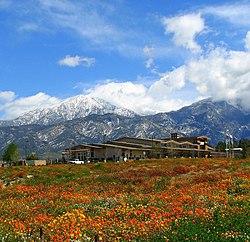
14 107
185 28
247 41
137 97
168 83
223 75
28 27
238 13
120 93
7 96
73 61
102 25
220 73
83 17
149 62
149 53
99 25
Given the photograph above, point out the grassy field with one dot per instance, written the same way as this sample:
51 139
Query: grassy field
149 200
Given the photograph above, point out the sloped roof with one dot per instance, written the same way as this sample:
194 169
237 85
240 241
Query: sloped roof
136 138
123 147
129 144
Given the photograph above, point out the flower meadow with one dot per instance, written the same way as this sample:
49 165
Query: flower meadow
146 200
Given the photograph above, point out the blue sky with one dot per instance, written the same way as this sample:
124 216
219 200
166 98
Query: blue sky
148 56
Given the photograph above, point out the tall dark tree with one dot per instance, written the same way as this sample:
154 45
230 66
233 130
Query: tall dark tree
221 146
245 145
12 153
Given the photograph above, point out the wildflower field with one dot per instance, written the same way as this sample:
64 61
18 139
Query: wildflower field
148 200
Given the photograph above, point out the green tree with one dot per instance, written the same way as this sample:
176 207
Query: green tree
245 145
221 146
32 156
12 153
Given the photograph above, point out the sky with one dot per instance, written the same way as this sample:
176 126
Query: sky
147 56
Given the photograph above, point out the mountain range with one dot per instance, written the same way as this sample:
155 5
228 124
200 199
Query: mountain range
71 108
83 119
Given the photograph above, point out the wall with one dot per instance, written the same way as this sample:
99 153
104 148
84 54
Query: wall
40 162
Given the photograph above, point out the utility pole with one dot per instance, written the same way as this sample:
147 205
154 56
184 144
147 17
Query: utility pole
229 145
232 144
226 148
104 138
26 147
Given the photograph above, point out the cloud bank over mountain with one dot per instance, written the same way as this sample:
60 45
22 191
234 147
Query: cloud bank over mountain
186 55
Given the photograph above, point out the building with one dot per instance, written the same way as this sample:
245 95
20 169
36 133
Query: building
141 148
35 162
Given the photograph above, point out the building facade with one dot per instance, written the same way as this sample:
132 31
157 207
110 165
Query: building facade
141 148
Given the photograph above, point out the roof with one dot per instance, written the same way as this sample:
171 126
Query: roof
193 137
179 143
136 138
129 144
78 147
122 147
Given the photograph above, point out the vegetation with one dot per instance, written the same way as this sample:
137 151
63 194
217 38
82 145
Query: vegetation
243 143
32 156
12 153
221 146
149 200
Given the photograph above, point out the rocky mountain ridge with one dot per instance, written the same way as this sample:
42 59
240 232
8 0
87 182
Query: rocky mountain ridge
201 118
75 107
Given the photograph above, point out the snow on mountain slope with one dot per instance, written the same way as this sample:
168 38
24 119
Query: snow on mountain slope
71 108
202 118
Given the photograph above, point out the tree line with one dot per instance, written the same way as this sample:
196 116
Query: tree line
12 154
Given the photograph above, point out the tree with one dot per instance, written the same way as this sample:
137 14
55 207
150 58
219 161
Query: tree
221 146
12 153
32 156
245 145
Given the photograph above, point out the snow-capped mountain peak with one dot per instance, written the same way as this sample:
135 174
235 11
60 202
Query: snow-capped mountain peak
71 108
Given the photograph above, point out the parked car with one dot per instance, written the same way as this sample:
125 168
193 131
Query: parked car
76 161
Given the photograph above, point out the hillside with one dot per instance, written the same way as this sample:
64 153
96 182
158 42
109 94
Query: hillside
202 118
147 200
212 119
72 108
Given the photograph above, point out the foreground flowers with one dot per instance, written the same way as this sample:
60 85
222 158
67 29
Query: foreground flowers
156 200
